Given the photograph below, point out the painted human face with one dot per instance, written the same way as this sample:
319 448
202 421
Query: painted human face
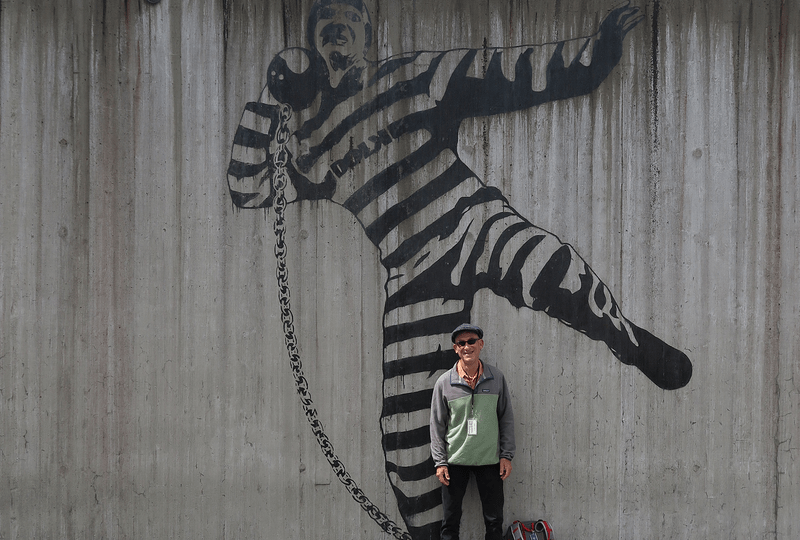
469 353
340 38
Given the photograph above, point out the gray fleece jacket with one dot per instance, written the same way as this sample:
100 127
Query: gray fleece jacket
489 404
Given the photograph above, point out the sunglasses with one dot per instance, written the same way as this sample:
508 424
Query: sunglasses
464 342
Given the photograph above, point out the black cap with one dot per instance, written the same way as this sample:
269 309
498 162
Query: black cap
466 327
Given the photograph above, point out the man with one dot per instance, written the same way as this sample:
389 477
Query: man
472 432
381 139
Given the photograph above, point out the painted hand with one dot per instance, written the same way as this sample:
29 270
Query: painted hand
613 30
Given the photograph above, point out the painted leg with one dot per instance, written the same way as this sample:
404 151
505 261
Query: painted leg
413 358
533 268
566 288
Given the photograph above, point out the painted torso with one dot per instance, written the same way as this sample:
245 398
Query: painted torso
386 151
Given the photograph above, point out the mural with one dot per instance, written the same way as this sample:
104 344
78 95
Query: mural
380 139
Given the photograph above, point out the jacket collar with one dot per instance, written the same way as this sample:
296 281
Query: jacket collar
456 379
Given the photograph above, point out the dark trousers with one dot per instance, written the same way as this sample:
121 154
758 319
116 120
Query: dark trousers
490 489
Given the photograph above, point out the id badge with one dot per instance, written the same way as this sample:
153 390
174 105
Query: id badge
472 426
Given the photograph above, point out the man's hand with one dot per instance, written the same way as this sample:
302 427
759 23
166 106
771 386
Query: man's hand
443 474
505 468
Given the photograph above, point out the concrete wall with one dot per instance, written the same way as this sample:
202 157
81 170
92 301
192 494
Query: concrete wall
145 390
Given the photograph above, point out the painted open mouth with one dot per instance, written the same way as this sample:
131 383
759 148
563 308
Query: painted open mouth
338 61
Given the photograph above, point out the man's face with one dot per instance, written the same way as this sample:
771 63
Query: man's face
466 351
340 38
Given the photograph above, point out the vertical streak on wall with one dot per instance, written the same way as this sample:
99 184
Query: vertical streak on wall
772 267
655 149
74 234
654 74
633 452
773 345
175 29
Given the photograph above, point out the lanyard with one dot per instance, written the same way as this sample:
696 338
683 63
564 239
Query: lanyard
472 396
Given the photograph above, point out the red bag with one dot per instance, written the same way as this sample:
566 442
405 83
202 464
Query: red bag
530 530
543 530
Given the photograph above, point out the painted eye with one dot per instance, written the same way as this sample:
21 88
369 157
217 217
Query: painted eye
327 13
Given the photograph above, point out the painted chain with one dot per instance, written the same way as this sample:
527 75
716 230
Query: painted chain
280 181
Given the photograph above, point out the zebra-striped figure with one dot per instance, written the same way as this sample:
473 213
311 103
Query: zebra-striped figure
380 139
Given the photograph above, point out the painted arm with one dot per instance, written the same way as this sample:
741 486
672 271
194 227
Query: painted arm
291 80
251 168
577 79
494 93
